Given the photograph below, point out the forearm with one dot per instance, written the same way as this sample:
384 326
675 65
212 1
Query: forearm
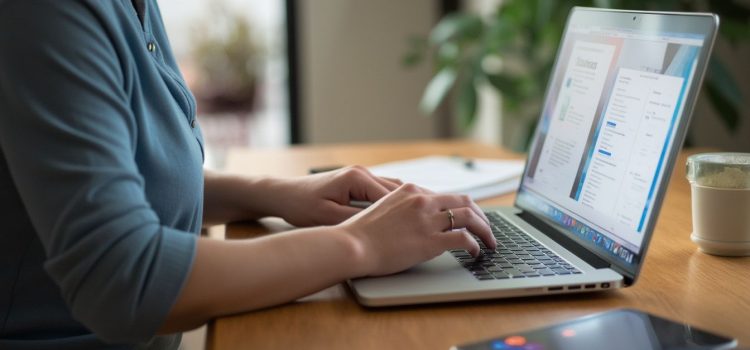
235 276
405 227
233 197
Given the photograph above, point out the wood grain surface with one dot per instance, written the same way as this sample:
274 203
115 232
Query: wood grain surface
677 281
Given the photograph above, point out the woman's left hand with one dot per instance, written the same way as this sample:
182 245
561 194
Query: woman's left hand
324 198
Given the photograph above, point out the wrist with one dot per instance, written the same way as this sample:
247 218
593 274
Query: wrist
355 247
272 195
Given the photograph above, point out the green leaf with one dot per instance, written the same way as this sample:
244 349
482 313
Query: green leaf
411 59
509 88
731 10
466 106
734 31
503 83
437 89
457 26
724 82
544 12
448 54
727 112
529 134
416 52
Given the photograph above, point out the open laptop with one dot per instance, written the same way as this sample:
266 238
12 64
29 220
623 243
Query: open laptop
614 117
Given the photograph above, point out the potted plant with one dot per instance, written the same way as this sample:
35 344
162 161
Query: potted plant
226 58
513 50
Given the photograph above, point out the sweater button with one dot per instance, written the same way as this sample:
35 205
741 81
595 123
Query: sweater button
151 46
192 124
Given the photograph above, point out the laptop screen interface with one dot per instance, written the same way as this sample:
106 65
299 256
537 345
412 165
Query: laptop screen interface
599 153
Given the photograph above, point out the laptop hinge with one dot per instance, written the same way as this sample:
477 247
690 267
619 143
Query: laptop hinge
568 243
626 276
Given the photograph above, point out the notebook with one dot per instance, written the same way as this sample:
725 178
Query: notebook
477 178
614 117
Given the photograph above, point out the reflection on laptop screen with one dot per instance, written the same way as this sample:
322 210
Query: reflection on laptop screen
608 122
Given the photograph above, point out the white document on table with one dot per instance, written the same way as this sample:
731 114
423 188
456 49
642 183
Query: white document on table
477 178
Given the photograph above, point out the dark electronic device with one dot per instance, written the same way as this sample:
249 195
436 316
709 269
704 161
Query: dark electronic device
613 330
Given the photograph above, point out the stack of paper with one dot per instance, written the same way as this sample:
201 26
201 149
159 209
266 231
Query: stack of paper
477 178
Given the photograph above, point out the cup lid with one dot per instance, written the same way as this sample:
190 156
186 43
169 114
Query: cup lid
720 170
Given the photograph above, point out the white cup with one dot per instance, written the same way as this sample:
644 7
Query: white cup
720 187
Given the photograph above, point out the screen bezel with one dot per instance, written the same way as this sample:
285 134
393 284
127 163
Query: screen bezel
705 24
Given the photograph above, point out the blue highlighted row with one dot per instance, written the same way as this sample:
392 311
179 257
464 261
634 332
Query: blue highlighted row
611 123
606 153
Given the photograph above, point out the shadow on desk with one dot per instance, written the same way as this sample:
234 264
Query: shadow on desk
677 282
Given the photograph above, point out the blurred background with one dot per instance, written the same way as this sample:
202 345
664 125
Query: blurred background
272 73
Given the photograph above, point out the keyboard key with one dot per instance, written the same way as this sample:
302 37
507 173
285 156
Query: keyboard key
518 255
500 275
512 272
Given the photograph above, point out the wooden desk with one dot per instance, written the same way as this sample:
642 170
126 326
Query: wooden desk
676 282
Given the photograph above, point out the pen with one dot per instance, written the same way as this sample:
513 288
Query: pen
360 204
322 169
467 162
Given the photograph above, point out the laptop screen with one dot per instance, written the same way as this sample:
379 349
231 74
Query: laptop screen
607 125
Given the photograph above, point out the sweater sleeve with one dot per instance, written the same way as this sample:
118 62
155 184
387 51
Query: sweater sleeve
69 139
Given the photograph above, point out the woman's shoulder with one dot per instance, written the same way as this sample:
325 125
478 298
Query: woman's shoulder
64 32
21 17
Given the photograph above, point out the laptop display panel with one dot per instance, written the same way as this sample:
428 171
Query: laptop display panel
615 115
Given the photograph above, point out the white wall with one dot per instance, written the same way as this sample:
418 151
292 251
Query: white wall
354 87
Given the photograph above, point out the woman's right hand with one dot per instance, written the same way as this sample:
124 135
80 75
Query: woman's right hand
411 225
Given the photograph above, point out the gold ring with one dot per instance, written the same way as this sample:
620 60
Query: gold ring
451 217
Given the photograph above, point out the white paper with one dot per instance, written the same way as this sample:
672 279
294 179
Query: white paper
443 174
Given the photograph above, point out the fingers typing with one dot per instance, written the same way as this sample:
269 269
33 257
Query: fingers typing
467 218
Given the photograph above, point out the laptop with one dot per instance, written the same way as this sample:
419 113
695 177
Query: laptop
615 115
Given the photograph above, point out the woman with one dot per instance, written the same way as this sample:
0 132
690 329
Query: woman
103 193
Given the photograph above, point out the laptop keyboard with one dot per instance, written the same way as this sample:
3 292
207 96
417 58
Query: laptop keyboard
517 256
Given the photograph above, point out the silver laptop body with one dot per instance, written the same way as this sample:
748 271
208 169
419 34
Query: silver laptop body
615 115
